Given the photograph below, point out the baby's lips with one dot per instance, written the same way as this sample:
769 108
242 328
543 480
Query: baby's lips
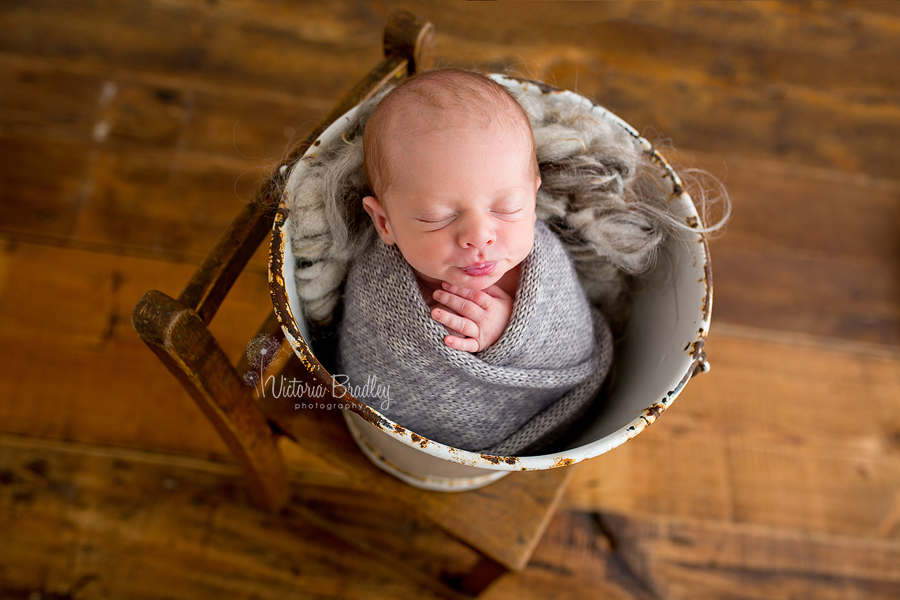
479 269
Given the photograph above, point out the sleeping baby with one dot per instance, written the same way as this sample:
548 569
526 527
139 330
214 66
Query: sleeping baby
465 305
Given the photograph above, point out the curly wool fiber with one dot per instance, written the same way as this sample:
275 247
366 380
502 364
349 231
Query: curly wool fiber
594 194
329 227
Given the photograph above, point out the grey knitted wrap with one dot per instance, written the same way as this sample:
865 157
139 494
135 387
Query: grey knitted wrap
515 397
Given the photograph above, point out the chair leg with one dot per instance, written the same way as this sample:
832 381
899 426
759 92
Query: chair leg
184 344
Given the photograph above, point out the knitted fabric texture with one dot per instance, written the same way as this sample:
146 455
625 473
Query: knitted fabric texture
516 396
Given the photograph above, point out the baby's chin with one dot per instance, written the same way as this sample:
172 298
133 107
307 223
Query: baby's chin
464 281
477 284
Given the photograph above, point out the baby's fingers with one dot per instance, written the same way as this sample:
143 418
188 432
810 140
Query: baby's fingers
464 344
460 304
455 322
478 297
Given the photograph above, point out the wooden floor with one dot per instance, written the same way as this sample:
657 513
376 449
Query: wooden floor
131 133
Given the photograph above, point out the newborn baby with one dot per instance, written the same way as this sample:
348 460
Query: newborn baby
466 309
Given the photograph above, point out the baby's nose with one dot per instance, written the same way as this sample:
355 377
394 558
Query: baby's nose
476 232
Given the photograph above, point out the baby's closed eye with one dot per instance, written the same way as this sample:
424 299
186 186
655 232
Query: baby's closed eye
435 222
507 212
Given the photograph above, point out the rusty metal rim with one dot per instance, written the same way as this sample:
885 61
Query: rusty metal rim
428 482
649 415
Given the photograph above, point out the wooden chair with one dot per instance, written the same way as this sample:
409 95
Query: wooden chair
502 522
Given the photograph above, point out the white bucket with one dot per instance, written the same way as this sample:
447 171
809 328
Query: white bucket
661 351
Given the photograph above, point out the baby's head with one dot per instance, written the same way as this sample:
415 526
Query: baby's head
450 159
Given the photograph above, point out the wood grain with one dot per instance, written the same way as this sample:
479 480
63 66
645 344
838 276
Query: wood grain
123 522
106 386
132 133
114 515
767 79
80 524
694 559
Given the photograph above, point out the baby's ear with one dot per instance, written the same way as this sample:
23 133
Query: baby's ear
379 217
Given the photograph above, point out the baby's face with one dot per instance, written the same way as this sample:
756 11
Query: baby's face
462 205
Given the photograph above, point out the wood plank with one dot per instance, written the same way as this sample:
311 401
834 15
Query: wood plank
47 100
153 168
820 212
197 40
115 513
128 522
807 293
819 250
797 437
106 386
32 201
679 558
800 126
191 208
573 561
843 38
818 45
75 369
33 99
97 526
116 198
818 92
137 165
666 69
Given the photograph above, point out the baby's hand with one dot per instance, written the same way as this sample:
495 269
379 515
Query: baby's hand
479 316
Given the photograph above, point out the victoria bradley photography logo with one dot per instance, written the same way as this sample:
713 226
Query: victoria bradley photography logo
265 351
